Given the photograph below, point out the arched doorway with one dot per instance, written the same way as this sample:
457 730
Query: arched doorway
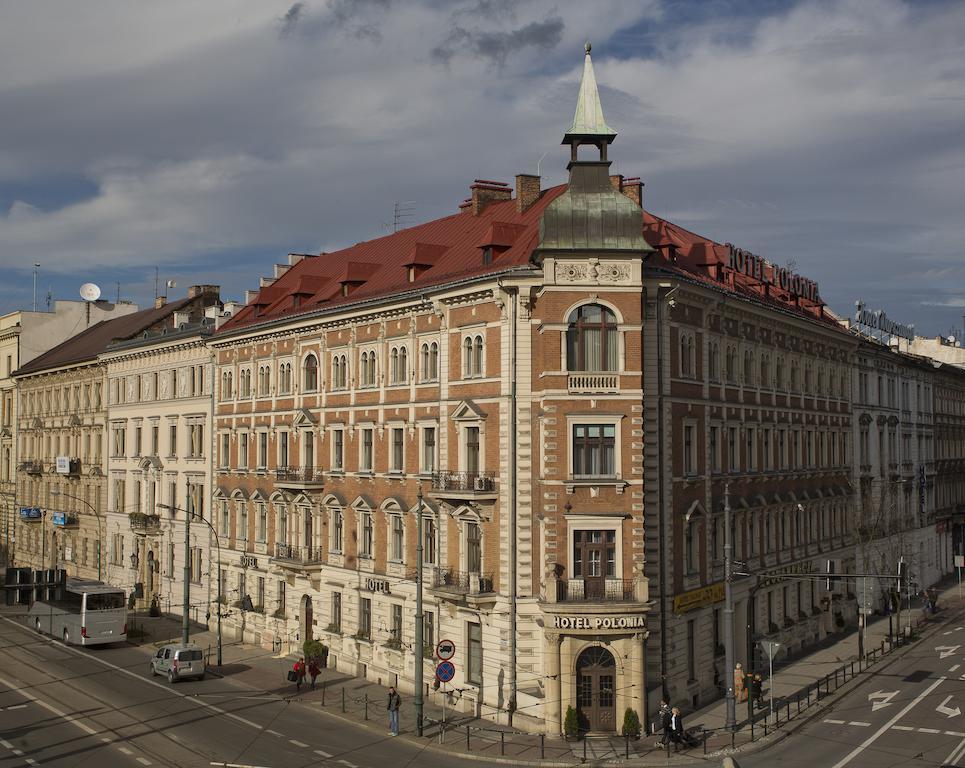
308 624
596 689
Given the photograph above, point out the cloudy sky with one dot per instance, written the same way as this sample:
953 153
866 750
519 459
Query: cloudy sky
210 139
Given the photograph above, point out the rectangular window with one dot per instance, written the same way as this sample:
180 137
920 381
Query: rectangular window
428 450
224 445
336 611
262 450
751 435
782 448
690 450
243 520
473 548
282 591
768 462
282 449
396 627
171 567
594 554
195 441
715 448
262 523
336 531
365 455
195 565
243 450
260 595
398 449
471 435
338 449
429 630
138 439
397 538
474 657
155 439
365 535
225 521
365 618
594 450
428 541
732 456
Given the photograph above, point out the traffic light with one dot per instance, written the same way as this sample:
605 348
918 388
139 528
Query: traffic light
832 579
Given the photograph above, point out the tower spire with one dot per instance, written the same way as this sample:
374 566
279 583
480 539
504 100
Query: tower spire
588 120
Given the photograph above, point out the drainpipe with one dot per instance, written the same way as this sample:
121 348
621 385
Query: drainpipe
513 331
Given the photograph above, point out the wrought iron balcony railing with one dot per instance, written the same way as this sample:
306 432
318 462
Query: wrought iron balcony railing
595 591
470 482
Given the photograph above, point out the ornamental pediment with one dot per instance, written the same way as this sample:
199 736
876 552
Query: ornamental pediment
303 418
467 410
594 271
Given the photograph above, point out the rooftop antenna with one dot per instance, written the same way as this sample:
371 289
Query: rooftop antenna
36 267
155 282
90 292
49 297
118 293
540 162
403 210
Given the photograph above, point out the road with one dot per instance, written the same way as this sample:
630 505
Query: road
910 712
68 706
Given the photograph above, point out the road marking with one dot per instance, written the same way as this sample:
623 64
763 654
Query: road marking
835 722
322 753
902 728
13 706
955 754
859 723
31 761
350 765
273 733
143 761
928 730
145 680
50 708
297 743
6 743
17 752
955 668
955 733
877 734
946 710
125 750
946 650
106 739
881 699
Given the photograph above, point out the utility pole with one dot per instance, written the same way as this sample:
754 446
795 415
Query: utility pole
419 619
731 719
186 620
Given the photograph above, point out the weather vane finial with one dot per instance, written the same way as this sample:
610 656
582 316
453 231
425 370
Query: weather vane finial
587 47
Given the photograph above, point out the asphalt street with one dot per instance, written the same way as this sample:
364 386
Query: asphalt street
910 712
68 706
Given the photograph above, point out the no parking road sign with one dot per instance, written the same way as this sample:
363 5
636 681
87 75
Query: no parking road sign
445 650
445 671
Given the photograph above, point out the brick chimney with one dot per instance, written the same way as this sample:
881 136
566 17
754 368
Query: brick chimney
484 192
200 290
632 187
160 301
616 181
527 191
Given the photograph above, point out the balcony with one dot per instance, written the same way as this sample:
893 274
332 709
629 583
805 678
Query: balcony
596 591
297 558
464 486
145 525
592 383
32 467
469 587
299 478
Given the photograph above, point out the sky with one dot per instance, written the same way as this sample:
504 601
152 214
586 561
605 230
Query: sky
203 142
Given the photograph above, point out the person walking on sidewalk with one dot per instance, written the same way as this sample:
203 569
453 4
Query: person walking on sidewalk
395 701
299 670
740 686
665 718
676 728
313 671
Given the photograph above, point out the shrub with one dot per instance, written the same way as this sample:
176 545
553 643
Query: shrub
571 725
315 650
631 723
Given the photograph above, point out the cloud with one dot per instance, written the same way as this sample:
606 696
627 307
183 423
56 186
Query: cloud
496 46
289 21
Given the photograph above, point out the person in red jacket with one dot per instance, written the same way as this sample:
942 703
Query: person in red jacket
313 670
299 670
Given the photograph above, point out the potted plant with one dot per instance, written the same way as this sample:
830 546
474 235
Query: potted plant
317 651
571 725
631 723
155 609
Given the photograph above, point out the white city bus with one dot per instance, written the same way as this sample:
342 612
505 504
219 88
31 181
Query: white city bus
84 613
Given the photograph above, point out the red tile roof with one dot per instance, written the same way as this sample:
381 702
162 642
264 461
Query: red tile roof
451 248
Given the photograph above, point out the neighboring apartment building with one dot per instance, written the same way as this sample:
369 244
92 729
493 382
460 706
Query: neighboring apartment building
23 336
159 390
949 414
62 445
941 348
894 467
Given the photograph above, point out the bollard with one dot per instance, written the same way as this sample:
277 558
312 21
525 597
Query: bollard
343 701
323 693
584 747
852 669
809 696
765 729
366 706
799 704
752 735
542 746
502 742
733 739
788 718
705 738
626 744
467 738
835 679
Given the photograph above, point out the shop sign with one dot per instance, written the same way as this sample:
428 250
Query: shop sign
60 518
600 622
63 465
378 585
698 598
30 513
249 561
763 271
806 568
879 321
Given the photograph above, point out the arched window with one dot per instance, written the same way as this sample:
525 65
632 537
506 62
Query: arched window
748 368
730 365
433 361
424 353
477 356
467 357
264 380
394 365
403 376
686 355
592 343
714 361
765 371
343 371
310 374
284 378
779 373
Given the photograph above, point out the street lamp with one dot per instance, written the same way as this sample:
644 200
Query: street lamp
100 531
419 620
730 722
187 570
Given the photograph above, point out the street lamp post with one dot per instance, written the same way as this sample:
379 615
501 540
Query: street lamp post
187 586
730 723
419 620
100 533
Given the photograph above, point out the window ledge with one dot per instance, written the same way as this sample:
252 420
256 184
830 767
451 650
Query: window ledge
585 482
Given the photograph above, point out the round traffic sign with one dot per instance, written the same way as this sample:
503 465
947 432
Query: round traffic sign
445 671
445 650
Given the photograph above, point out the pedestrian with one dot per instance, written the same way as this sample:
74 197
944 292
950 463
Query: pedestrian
665 717
299 670
676 728
313 671
757 689
395 701
740 686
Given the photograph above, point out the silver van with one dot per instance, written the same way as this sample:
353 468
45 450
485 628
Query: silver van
178 662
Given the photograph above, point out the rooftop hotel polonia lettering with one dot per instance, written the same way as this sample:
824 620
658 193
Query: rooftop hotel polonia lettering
763 271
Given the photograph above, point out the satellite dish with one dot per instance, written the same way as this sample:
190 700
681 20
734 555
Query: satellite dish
172 284
951 339
90 292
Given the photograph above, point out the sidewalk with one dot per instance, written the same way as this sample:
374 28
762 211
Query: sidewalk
363 702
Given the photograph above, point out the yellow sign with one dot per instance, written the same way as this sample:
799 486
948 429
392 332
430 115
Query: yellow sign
698 598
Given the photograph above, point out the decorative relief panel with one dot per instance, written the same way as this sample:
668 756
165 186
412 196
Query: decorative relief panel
593 271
